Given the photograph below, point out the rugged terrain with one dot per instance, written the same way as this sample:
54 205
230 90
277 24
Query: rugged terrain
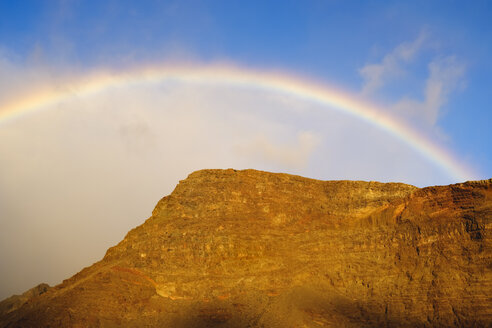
254 249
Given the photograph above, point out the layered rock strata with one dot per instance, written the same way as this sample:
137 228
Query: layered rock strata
248 248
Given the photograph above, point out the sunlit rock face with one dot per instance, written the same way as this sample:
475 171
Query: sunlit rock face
16 301
255 249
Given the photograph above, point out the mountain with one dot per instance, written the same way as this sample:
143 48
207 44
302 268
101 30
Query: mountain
232 248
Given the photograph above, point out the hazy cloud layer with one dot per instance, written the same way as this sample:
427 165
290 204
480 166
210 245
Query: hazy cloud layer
76 177
294 155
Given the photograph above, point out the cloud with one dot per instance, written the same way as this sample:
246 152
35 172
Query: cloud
294 156
377 75
445 76
18 77
137 135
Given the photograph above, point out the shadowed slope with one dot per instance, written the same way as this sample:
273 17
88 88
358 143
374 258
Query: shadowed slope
255 249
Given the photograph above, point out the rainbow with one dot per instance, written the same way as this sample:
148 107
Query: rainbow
230 75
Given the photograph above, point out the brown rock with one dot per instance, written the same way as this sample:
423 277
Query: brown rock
16 301
254 249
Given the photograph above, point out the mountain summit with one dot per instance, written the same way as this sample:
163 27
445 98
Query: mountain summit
232 248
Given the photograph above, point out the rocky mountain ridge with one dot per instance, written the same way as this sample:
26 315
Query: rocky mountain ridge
247 248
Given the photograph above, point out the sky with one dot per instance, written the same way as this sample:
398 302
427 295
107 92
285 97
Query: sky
106 105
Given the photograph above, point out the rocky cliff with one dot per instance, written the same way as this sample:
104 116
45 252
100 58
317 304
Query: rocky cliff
254 249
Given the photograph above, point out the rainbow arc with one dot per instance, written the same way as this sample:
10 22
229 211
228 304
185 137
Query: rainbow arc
227 75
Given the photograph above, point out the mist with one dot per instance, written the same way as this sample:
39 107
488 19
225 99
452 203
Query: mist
76 176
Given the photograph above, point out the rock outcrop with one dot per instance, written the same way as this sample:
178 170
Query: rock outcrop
16 301
254 249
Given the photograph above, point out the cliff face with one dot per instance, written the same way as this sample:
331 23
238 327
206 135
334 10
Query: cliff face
255 249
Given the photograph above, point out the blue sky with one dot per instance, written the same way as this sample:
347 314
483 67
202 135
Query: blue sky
426 63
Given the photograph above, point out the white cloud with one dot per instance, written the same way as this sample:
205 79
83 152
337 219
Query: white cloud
445 76
377 75
293 155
